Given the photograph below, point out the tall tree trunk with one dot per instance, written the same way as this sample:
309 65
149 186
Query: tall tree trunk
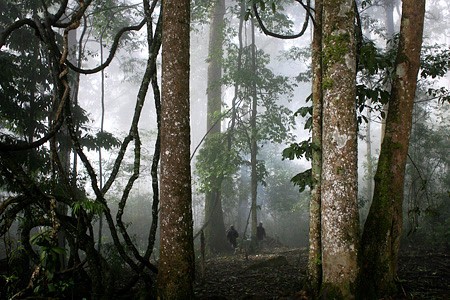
215 230
315 245
253 139
339 207
243 199
100 164
383 228
176 265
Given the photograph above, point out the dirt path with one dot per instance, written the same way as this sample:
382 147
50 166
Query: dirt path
278 274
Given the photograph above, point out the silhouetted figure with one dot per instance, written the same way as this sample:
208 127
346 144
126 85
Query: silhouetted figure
232 236
260 232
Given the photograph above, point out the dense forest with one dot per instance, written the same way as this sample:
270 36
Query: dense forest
245 149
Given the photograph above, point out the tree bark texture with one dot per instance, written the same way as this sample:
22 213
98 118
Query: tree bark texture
383 227
176 265
339 208
315 245
215 230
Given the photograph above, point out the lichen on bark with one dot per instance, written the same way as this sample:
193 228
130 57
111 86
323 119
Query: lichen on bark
339 210
176 265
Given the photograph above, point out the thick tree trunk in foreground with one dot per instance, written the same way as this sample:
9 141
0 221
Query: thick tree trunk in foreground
383 228
176 265
315 245
215 230
339 208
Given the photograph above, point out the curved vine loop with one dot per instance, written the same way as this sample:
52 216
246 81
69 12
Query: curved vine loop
266 31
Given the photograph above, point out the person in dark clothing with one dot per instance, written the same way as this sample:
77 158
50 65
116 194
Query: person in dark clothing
232 236
260 232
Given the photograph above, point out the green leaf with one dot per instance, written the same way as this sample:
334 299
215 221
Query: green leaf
248 14
302 180
262 4
308 124
58 250
298 150
303 111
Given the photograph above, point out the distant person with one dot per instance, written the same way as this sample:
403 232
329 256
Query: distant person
232 236
260 232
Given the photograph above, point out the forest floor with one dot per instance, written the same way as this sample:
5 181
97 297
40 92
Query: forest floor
279 272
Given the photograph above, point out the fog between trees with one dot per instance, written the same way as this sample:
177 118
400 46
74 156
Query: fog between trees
59 201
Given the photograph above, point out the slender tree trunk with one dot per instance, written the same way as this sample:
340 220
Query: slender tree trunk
383 227
176 264
253 139
339 207
100 165
369 153
243 199
315 245
215 230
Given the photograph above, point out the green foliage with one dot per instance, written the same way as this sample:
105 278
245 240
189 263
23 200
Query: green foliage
373 60
375 71
109 16
25 93
302 149
442 94
103 140
49 252
200 11
275 19
215 162
88 205
298 150
435 61
302 180
31 89
49 263
274 121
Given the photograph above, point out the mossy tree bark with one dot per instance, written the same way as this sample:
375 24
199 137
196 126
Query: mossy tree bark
315 251
382 231
215 228
176 264
339 208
